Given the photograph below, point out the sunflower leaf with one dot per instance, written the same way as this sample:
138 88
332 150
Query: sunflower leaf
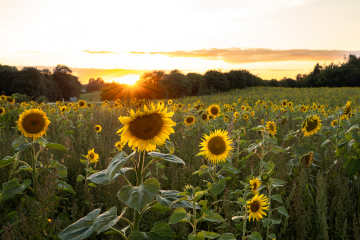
283 211
118 161
55 146
167 157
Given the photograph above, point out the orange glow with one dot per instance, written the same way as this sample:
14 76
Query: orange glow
127 79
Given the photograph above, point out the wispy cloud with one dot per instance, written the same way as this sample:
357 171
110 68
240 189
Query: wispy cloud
251 55
98 52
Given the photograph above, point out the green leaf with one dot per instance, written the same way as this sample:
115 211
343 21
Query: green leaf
199 194
277 149
160 231
178 215
8 160
283 211
319 135
325 142
266 221
277 182
272 140
272 236
164 177
227 236
212 217
255 236
79 178
170 147
55 146
276 221
40 140
139 197
356 126
100 177
277 197
19 141
199 236
92 185
167 157
217 188
13 187
25 168
108 219
157 207
116 164
81 229
167 198
65 186
61 169
210 235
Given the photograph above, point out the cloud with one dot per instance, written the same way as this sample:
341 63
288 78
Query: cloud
251 55
98 52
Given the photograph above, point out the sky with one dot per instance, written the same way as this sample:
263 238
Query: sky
119 40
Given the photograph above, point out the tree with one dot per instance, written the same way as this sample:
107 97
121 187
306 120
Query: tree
195 81
214 81
175 85
95 84
152 77
69 85
237 79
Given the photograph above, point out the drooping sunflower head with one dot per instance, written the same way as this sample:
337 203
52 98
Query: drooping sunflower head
33 123
189 120
307 160
119 146
81 103
311 125
271 127
347 108
2 111
146 129
214 110
10 100
254 185
92 156
216 146
334 123
204 116
97 128
256 207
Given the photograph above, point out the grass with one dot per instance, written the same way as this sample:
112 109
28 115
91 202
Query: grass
91 96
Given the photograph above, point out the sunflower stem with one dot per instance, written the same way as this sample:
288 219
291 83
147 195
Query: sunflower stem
268 227
34 170
137 215
194 212
244 225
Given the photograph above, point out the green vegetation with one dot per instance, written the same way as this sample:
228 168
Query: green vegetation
91 96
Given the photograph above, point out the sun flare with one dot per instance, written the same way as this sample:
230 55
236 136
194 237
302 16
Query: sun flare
127 79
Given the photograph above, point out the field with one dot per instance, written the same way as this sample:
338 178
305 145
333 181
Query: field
284 166
91 97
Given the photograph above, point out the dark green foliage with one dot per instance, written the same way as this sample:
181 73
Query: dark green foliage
95 84
175 84
69 85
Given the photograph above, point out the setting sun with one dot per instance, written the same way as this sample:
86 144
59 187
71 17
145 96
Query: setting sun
127 79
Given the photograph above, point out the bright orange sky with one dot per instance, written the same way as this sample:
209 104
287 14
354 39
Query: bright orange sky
110 39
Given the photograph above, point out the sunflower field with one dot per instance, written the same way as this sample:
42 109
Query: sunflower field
258 163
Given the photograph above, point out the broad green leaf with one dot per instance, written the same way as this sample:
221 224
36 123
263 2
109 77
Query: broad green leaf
81 229
272 140
100 178
40 140
272 236
356 126
167 197
199 194
277 149
157 207
227 236
276 221
13 187
138 197
116 164
199 236
277 197
79 178
20 140
160 231
266 221
65 186
108 219
283 211
170 147
217 188
92 185
277 182
25 168
55 146
210 235
167 157
8 160
60 169
325 142
212 217
178 215
255 236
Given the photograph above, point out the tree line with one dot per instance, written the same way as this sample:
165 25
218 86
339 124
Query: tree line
40 84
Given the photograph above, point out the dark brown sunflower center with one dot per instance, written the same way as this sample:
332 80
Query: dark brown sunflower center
204 116
91 155
33 123
217 145
271 127
146 127
255 206
311 125
81 104
189 119
1 110
347 110
97 128
255 186
214 110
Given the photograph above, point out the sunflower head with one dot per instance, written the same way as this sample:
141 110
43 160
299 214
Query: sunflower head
119 146
148 128
2 97
334 123
311 125
10 100
271 127
246 116
307 160
97 128
256 207
254 185
170 102
204 116
189 120
265 177
236 115
92 156
214 110
284 103
2 111
81 103
33 123
290 104
216 146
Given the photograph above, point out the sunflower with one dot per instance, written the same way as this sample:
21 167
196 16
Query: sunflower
33 123
170 102
236 115
97 128
254 185
304 108
81 103
148 128
10 100
92 156
262 121
118 101
334 123
189 120
119 146
271 127
290 104
2 111
307 160
2 97
256 207
243 107
204 116
63 109
216 147
284 103
347 110
311 125
246 116
214 110
252 113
